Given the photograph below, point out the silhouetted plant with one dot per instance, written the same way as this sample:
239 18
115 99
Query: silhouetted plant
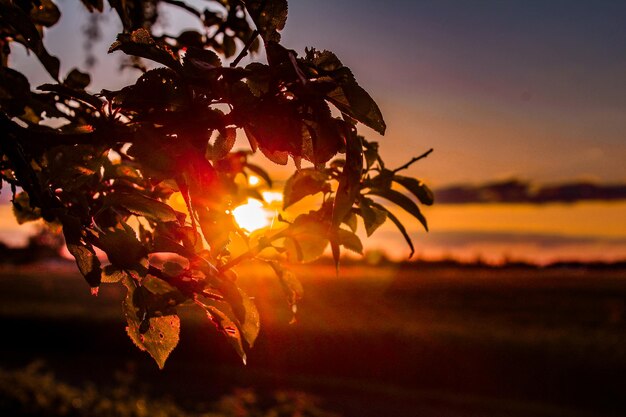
120 156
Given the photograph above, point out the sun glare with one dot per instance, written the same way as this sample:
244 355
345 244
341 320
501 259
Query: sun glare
252 215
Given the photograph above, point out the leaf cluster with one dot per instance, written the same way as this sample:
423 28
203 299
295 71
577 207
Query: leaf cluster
108 176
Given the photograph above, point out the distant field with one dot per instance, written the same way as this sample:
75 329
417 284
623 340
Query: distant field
375 341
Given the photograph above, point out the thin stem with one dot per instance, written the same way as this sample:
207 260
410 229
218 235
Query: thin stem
251 252
245 49
412 161
184 6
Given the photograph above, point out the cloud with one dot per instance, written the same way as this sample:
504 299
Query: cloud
517 191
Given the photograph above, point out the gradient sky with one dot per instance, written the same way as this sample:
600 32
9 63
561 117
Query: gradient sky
531 89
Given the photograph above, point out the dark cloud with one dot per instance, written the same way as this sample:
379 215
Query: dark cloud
516 191
462 239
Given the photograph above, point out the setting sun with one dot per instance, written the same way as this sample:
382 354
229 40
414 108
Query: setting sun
252 215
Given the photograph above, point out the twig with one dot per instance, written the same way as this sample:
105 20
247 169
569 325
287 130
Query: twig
184 6
251 252
245 49
417 158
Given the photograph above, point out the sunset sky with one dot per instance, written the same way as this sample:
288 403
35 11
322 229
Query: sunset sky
500 89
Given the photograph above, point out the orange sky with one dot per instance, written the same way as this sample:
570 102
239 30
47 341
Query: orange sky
526 89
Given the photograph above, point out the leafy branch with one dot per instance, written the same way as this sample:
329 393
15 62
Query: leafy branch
148 176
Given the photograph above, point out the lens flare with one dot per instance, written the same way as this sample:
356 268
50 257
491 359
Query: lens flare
252 215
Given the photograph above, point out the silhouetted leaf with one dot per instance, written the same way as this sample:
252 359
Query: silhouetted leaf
304 183
158 89
373 217
354 101
350 241
94 5
23 211
77 79
200 62
229 45
45 14
347 95
67 92
20 21
349 180
399 225
140 43
370 153
351 221
417 188
141 205
269 16
404 202
223 144
84 254
87 261
122 247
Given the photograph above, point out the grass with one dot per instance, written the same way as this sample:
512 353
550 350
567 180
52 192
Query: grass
376 341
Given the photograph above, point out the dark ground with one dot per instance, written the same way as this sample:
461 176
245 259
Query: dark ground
375 342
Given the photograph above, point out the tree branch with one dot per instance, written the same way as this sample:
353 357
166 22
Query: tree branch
412 161
245 49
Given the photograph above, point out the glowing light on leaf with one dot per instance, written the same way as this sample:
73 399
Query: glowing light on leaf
272 196
253 180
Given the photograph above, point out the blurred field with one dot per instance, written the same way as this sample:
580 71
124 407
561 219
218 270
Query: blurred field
377 341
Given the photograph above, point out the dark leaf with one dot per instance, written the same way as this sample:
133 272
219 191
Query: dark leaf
351 221
20 21
229 45
158 89
354 101
403 201
92 5
349 180
141 205
399 225
22 209
140 43
122 246
417 188
350 241
77 80
45 14
87 261
303 183
371 153
68 92
269 16
223 144
373 217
